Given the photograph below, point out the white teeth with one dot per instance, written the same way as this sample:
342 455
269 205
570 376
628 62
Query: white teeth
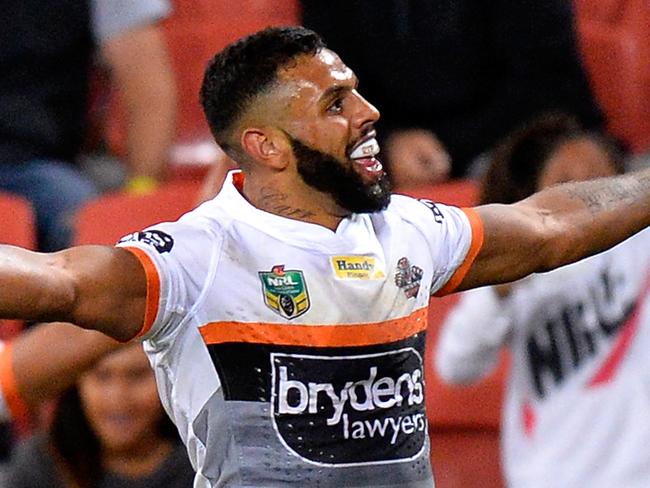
365 150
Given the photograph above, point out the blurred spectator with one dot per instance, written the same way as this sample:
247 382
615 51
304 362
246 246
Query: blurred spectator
576 409
451 78
108 431
46 52
38 365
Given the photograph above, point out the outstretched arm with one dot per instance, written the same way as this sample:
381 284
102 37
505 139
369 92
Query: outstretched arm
44 361
558 226
95 287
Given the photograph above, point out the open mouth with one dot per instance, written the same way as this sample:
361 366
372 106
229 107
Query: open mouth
363 156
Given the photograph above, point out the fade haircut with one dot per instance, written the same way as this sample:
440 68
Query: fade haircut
519 160
246 68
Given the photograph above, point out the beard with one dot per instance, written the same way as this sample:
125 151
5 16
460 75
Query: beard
327 174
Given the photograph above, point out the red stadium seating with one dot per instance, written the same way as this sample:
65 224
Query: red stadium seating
615 41
461 193
17 229
17 219
106 219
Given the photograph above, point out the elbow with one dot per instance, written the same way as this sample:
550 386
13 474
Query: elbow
551 246
560 251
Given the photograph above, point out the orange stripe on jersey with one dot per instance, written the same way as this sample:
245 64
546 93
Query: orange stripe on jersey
153 288
15 403
476 224
343 335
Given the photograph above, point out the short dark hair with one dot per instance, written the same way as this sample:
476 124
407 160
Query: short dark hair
246 68
518 161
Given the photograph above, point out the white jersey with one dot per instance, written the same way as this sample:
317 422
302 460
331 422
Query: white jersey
291 355
578 401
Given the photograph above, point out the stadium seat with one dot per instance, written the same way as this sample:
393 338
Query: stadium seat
614 38
606 11
18 229
17 217
461 193
110 217
463 458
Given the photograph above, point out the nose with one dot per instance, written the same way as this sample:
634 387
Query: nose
366 113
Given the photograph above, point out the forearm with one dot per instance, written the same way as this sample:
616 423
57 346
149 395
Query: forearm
588 217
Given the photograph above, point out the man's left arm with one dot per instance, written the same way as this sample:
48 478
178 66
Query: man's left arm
558 226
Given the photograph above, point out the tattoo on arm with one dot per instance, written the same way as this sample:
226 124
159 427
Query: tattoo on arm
605 194
275 202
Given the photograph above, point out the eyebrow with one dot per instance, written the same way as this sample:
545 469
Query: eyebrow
335 90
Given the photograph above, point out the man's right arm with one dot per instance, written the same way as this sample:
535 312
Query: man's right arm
95 287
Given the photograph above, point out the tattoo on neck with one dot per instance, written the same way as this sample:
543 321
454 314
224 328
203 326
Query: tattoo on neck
604 194
275 202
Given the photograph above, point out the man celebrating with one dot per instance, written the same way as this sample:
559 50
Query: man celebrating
285 318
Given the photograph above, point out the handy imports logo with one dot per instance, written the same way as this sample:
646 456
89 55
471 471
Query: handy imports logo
357 268
285 291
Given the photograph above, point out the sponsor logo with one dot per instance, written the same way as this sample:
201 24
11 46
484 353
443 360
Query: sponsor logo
356 268
437 214
285 291
408 277
350 410
159 240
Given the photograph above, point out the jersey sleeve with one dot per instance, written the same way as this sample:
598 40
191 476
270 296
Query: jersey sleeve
176 258
11 403
459 241
454 237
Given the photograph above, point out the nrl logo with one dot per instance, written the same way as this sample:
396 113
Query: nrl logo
408 277
285 291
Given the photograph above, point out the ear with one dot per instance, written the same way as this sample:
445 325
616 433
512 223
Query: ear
266 146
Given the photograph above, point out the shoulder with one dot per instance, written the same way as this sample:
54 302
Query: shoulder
431 217
192 231
416 211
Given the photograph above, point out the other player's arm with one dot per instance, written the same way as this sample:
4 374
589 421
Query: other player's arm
96 287
471 337
558 226
45 360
